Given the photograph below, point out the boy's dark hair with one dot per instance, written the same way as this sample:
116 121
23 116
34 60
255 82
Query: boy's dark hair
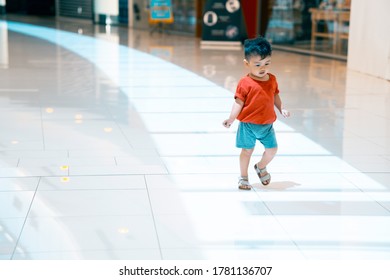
257 47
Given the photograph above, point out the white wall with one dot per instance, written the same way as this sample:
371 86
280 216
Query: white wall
369 38
106 7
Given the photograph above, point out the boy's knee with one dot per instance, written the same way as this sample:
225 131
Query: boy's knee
271 151
247 152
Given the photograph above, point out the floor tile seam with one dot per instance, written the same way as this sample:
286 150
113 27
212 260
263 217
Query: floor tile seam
273 172
173 173
319 108
169 86
64 189
226 246
122 132
224 155
383 206
129 249
287 232
18 191
385 156
83 176
98 175
88 216
107 173
186 133
373 112
20 89
145 97
72 119
352 244
69 165
334 218
117 124
42 124
275 216
236 153
154 219
299 198
380 202
92 250
354 135
327 215
183 112
25 219
19 177
344 197
233 189
359 173
196 174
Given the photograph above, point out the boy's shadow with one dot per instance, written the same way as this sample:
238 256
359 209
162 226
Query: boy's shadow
277 186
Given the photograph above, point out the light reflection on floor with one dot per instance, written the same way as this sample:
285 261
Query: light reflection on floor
111 153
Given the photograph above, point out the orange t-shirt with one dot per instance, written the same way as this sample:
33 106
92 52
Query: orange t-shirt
258 98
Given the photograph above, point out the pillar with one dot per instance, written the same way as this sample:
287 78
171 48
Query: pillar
369 42
106 12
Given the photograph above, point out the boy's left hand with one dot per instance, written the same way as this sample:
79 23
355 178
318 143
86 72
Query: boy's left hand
285 113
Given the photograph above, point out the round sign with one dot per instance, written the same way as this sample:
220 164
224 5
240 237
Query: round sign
232 31
232 5
210 18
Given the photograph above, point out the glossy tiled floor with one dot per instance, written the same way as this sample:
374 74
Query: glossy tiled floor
112 147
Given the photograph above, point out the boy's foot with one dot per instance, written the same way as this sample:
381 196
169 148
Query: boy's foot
243 184
264 176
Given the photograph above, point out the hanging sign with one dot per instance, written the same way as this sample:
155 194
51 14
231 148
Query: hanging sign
223 21
161 11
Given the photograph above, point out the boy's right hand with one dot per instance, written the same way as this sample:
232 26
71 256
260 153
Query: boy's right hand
227 123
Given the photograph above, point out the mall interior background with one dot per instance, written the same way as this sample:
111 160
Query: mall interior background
304 25
343 29
330 103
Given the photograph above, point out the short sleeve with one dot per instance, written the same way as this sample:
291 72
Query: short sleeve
276 87
241 91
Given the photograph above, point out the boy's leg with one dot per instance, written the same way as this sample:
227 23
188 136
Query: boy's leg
267 157
245 157
260 167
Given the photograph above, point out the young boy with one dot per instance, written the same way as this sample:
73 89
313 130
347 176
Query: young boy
256 95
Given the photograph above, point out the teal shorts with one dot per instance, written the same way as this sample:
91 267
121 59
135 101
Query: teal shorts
248 133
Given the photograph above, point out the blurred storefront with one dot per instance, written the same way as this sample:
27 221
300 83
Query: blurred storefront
184 15
319 27
311 26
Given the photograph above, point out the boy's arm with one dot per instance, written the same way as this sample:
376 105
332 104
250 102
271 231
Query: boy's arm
278 105
236 109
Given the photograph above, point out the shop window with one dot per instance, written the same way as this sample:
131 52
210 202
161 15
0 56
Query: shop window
310 25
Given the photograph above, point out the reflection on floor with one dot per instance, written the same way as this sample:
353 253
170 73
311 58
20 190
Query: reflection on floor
112 148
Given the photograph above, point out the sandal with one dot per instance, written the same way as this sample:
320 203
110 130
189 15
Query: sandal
266 177
243 184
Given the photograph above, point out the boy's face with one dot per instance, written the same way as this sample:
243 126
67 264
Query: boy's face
258 67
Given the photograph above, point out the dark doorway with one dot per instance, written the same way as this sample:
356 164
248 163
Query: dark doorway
123 11
31 7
